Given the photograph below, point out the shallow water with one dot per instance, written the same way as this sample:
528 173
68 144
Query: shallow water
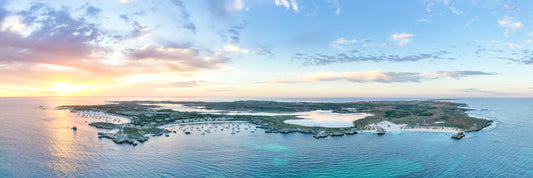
326 118
36 142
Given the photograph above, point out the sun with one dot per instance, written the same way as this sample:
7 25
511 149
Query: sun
66 88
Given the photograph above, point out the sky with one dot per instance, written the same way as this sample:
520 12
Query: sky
267 48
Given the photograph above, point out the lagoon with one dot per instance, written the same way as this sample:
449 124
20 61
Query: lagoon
326 118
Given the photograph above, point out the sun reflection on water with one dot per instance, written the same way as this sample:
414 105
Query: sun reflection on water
64 146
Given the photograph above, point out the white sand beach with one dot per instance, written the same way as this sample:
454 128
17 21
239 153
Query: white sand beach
392 127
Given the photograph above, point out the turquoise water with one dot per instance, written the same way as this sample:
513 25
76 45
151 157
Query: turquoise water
37 143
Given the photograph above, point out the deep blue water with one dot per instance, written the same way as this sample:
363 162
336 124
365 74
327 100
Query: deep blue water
37 143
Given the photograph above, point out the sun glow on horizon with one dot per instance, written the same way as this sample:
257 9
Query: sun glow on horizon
65 88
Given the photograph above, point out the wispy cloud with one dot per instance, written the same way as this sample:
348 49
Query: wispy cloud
233 48
456 10
471 21
342 41
185 16
223 8
265 51
378 76
174 58
232 34
461 74
324 59
402 38
93 11
336 5
509 24
476 91
288 4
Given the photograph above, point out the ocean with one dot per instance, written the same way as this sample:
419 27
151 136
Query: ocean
39 143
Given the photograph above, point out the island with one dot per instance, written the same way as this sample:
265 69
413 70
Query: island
148 118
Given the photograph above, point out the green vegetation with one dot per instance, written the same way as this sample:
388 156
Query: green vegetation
141 131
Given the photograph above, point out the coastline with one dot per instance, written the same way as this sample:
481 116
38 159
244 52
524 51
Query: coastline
392 127
202 122
148 119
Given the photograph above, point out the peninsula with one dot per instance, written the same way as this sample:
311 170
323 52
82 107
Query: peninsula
148 118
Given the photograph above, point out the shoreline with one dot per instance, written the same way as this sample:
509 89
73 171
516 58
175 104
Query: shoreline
392 127
202 122
373 117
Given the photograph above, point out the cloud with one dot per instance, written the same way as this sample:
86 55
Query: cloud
130 16
402 38
509 24
13 24
232 48
235 5
377 76
44 44
482 92
233 33
507 51
185 84
265 51
324 59
460 74
337 11
342 41
471 21
287 4
528 60
138 30
93 11
512 45
336 5
423 20
159 81
513 8
161 53
55 37
126 1
178 59
456 11
222 8
362 77
185 16
55 43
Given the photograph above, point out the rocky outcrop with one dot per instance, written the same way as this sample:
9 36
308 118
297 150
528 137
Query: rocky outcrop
380 131
321 134
120 138
105 125
351 132
459 136
286 131
337 134
479 126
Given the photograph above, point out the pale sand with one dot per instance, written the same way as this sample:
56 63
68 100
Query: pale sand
392 127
